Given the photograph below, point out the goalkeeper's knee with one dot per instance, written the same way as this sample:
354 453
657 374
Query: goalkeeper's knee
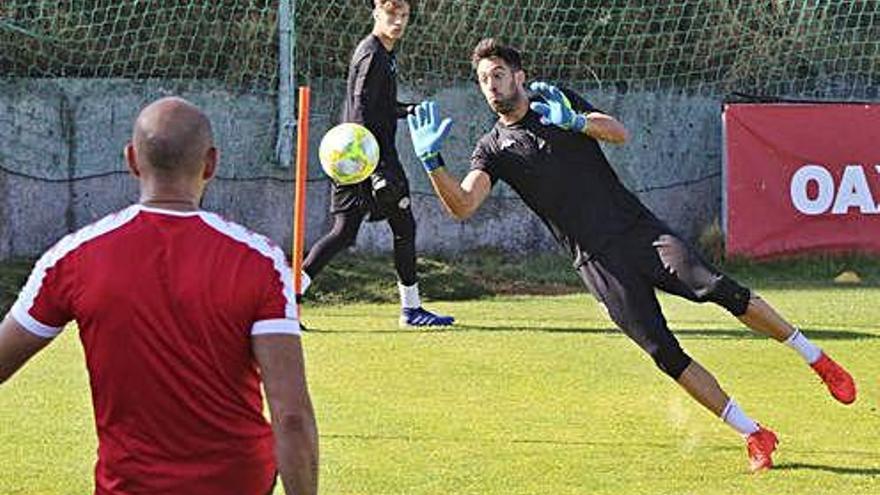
671 359
730 295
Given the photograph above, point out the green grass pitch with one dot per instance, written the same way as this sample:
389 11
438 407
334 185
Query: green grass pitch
528 395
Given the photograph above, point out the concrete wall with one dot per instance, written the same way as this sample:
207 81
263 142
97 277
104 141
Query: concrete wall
61 164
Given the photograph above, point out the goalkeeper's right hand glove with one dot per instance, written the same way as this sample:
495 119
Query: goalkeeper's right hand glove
427 132
557 110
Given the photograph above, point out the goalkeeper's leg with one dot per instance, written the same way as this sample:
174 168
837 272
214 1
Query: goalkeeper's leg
633 306
688 275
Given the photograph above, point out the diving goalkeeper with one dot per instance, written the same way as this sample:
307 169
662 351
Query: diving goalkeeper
545 145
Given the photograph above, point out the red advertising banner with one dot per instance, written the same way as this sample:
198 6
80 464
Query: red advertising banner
801 178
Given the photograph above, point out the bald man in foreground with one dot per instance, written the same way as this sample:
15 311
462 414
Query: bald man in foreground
181 315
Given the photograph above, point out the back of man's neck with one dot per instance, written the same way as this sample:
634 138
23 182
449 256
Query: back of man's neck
170 204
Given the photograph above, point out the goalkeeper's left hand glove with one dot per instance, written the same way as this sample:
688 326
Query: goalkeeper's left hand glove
557 108
428 132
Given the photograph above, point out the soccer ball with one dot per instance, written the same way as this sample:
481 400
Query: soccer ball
349 153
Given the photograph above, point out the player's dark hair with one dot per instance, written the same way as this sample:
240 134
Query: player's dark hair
492 48
394 4
381 3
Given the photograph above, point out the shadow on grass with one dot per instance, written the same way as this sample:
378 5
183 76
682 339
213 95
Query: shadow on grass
712 333
796 466
708 333
786 466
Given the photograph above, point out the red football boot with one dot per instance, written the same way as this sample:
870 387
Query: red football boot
838 381
760 446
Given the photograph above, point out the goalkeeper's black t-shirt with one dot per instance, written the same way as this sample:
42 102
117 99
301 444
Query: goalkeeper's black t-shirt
371 97
371 100
564 177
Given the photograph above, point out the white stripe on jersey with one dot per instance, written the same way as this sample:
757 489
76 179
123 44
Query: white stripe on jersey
32 325
21 309
170 213
265 247
266 327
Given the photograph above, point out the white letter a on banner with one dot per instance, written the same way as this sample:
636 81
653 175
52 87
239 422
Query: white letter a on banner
854 192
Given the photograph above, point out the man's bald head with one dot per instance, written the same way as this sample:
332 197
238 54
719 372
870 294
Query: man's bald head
172 136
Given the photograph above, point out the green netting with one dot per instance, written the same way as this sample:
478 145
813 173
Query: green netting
807 48
233 41
794 48
814 49
99 60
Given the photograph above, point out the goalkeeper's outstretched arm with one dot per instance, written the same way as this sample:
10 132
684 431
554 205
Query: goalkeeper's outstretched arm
428 131
557 109
605 128
461 200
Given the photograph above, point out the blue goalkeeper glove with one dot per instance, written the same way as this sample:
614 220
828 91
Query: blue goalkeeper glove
557 108
427 132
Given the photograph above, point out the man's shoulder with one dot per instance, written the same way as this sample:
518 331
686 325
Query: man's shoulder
219 230
493 134
92 231
488 142
242 236
368 47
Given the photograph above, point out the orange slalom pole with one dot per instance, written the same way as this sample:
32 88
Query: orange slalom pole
299 199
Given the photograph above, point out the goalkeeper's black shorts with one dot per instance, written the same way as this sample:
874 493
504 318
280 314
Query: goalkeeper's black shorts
362 196
624 275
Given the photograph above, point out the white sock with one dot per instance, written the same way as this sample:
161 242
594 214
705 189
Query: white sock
305 282
804 347
735 417
409 295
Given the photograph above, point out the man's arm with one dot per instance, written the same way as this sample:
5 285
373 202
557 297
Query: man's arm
362 91
606 128
17 345
461 200
428 133
558 110
280 358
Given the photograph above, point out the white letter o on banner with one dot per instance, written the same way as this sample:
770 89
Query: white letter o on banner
799 197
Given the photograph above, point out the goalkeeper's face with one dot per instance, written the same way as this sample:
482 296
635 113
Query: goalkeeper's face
501 86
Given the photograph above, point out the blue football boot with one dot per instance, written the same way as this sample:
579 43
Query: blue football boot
420 317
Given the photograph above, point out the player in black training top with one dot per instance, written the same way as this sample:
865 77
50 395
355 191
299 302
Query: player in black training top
545 145
371 100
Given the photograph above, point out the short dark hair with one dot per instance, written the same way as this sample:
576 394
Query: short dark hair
492 48
394 3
